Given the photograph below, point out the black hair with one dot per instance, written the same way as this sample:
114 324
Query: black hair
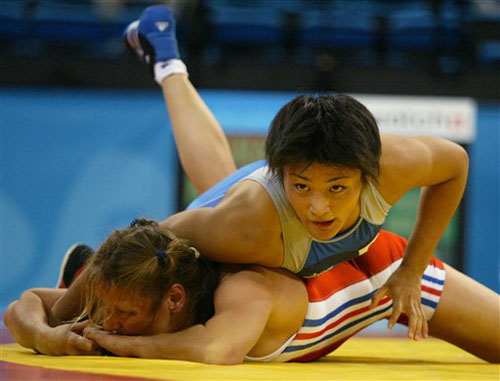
332 129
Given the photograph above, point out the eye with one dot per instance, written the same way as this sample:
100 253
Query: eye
337 188
301 187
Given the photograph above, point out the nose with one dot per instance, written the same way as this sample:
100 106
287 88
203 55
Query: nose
319 206
111 323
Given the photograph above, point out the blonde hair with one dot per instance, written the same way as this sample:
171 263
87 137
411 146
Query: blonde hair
146 260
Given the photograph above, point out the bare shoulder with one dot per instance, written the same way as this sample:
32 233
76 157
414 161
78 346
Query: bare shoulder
408 162
281 291
249 206
243 228
275 282
249 280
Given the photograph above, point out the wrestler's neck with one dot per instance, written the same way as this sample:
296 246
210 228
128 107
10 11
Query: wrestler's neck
351 220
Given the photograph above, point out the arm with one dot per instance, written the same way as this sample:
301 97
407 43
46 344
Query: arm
203 148
221 340
440 167
243 228
27 321
70 304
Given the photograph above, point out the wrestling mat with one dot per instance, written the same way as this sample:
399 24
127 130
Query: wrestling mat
358 359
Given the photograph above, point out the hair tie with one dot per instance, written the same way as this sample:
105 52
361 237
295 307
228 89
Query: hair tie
195 252
161 257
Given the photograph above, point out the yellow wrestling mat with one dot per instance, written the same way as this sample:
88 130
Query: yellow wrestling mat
357 359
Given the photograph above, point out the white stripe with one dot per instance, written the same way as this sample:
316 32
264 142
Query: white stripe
435 272
288 356
344 323
431 297
435 286
318 310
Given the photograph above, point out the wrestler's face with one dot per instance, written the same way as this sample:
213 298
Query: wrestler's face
324 197
130 314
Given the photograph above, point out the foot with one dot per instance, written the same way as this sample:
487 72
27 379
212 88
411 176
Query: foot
73 263
152 37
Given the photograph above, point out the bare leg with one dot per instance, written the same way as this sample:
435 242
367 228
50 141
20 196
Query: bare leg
468 316
203 148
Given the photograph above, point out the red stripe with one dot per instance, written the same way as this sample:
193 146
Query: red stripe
77 274
437 263
387 248
305 336
328 283
431 290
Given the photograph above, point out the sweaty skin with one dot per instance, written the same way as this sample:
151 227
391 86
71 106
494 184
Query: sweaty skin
245 228
273 308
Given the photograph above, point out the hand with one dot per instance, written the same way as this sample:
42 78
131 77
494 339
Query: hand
404 287
120 345
66 339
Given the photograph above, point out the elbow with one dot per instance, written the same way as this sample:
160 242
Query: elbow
461 158
465 159
7 317
222 355
461 155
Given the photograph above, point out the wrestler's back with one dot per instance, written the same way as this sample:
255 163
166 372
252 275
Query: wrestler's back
289 304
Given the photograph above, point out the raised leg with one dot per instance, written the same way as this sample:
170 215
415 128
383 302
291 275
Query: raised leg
203 148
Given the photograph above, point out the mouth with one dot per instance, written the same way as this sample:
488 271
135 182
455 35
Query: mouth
323 224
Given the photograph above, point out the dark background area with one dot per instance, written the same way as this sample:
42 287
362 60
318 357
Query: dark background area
426 47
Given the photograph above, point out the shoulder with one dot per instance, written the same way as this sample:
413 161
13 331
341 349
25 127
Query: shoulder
409 162
249 208
242 283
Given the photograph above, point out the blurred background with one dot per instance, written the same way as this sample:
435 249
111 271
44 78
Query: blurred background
85 139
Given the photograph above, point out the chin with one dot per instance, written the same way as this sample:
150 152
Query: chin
323 235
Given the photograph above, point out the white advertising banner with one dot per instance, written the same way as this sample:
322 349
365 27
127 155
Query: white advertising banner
450 118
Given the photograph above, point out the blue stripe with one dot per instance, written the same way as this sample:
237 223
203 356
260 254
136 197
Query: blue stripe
429 303
316 322
347 326
212 202
344 244
212 196
433 280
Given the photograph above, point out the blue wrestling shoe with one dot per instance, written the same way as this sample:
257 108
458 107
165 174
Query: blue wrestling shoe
152 37
73 264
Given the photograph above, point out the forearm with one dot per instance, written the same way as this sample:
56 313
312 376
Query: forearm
437 205
70 305
27 320
203 148
188 345
191 344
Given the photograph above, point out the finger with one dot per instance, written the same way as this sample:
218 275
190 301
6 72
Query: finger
417 333
396 312
114 344
412 322
83 344
89 331
423 323
80 326
425 326
377 296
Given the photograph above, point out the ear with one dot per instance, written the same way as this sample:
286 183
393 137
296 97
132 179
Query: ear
176 298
